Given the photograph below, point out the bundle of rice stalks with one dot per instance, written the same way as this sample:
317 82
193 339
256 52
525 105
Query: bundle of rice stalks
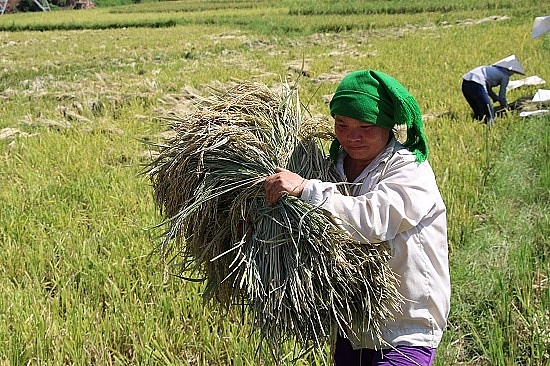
299 276
526 104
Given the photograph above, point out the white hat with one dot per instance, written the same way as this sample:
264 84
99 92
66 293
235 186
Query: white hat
541 26
510 63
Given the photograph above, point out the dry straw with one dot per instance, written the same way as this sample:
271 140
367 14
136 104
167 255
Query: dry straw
299 276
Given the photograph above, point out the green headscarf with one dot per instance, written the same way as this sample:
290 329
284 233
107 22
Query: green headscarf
374 97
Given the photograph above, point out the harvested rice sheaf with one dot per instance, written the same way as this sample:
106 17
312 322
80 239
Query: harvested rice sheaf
296 272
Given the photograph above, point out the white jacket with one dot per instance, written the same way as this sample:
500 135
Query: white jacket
396 200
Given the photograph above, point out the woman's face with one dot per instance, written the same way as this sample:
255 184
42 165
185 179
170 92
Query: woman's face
362 141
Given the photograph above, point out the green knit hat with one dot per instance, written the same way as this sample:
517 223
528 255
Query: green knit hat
374 97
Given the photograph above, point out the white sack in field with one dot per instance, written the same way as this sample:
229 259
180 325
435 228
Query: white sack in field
530 80
542 95
540 112
540 26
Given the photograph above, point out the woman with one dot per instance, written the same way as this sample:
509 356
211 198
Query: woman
395 200
477 87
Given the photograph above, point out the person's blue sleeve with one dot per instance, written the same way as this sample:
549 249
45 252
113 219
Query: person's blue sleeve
502 92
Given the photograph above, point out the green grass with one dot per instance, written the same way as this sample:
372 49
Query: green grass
84 88
504 317
280 18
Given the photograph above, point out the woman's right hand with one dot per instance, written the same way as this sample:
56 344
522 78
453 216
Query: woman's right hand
281 183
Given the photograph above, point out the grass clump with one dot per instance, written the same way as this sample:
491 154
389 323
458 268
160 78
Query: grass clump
500 303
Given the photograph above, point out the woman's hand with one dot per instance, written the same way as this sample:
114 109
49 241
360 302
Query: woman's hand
284 181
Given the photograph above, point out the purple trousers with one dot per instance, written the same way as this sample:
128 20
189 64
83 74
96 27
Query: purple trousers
345 355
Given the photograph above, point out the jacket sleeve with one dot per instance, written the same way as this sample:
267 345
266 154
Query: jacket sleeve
502 92
403 196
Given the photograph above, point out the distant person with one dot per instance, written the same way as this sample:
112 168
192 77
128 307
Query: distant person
477 87
393 200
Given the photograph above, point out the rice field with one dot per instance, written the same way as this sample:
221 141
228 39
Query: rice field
81 96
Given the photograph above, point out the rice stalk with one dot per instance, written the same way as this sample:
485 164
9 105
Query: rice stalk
299 276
